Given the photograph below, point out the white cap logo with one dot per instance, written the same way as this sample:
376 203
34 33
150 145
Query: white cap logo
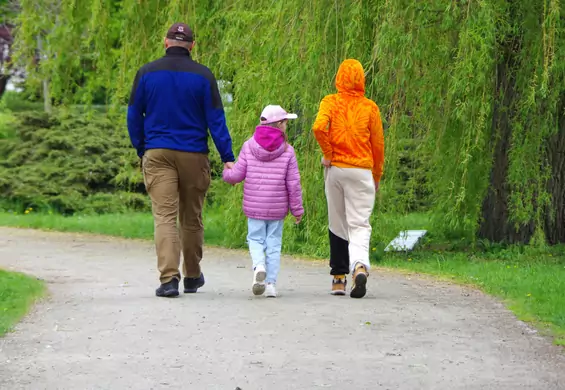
181 29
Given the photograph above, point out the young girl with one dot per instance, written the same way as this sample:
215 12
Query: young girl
268 165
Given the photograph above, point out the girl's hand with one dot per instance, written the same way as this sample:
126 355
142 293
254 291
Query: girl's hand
298 219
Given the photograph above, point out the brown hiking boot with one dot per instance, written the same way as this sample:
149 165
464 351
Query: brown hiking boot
338 285
359 288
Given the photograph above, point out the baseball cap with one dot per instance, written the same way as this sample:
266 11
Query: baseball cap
180 32
272 114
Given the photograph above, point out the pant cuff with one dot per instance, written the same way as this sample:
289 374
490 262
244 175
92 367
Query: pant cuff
367 265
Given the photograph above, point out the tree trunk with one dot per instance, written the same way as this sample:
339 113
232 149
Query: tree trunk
46 96
555 217
3 83
495 224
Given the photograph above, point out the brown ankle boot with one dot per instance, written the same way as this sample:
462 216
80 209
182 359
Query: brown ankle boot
338 285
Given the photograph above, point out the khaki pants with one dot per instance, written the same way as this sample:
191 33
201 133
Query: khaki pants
351 197
177 183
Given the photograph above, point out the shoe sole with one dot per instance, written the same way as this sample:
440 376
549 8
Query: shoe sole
258 288
271 296
360 288
338 293
261 276
169 294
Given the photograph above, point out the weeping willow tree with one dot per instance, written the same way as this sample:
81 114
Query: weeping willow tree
471 90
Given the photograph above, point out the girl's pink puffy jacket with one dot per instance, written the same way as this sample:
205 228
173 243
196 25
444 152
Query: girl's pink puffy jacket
272 180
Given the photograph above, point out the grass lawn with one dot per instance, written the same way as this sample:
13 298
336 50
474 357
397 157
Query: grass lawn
17 293
531 283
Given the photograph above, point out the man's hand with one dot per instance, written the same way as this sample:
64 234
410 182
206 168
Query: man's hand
325 162
377 186
228 165
298 219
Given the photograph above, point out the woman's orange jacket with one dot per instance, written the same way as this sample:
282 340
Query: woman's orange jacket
348 126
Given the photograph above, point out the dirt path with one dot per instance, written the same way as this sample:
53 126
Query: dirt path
103 328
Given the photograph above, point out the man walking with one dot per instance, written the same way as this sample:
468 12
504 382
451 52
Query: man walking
173 103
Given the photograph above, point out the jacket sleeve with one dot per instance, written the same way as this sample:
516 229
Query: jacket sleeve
136 115
321 128
377 144
239 171
293 187
216 120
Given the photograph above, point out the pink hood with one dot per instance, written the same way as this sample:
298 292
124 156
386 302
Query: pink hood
268 137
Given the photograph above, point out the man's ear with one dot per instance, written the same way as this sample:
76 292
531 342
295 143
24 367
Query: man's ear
166 43
192 45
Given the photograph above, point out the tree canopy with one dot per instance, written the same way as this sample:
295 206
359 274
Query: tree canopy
471 91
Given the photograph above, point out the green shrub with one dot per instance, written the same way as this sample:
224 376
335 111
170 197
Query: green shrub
7 121
70 163
17 102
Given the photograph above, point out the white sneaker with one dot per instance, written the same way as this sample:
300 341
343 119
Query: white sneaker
271 291
259 276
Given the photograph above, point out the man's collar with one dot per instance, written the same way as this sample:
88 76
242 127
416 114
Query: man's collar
177 51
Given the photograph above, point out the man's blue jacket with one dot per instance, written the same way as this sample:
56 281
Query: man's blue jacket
173 103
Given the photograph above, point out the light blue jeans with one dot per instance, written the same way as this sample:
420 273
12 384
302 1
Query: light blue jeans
265 242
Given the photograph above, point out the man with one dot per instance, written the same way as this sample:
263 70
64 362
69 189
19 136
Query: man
173 103
349 130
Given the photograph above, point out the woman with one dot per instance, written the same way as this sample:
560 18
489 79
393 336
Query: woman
349 130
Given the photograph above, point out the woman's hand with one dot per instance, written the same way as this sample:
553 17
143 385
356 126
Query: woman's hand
325 162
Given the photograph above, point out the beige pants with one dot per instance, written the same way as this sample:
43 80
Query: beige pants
177 183
351 196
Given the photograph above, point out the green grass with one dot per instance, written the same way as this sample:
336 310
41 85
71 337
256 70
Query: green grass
133 225
531 283
17 293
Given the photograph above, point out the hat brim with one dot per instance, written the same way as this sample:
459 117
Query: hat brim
290 116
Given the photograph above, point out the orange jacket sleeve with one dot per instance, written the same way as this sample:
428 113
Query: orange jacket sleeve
321 128
377 144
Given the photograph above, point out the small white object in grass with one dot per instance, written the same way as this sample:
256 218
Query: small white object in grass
406 240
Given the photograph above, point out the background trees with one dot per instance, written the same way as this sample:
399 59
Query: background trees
471 92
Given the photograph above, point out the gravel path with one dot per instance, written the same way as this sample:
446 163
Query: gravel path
101 327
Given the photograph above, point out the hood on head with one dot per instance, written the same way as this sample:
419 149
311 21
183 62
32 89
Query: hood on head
350 78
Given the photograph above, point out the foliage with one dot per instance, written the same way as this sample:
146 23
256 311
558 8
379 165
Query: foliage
8 12
449 78
17 293
70 163
18 102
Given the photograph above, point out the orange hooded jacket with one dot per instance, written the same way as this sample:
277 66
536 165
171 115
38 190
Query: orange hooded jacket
348 126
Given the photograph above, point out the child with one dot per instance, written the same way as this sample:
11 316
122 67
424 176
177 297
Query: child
268 165
350 133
